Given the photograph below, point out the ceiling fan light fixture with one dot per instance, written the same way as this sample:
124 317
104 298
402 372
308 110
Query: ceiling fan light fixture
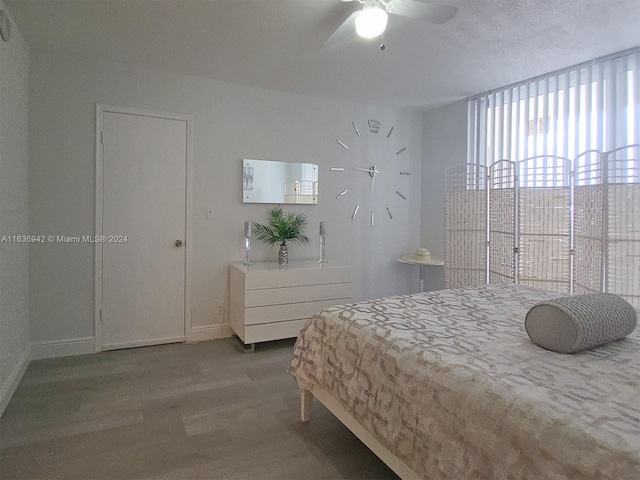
371 21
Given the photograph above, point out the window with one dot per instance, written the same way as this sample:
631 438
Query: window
594 106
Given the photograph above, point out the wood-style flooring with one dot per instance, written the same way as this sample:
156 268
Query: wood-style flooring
180 411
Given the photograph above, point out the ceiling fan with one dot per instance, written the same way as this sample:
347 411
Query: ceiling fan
371 20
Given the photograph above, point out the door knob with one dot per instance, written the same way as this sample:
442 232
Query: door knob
178 243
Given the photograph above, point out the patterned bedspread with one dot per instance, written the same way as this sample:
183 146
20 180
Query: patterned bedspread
450 382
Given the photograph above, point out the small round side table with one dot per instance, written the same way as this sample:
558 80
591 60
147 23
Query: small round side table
421 257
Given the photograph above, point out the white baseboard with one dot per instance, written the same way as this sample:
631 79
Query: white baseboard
9 386
63 348
84 345
142 343
209 332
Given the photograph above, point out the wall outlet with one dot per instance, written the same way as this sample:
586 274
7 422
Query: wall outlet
210 213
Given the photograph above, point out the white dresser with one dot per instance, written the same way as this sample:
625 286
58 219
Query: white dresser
268 301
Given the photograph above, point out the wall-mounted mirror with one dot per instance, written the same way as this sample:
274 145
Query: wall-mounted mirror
268 181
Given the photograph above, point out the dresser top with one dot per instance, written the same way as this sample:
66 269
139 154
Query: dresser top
292 265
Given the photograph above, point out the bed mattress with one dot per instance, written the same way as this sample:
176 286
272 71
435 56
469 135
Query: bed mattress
450 383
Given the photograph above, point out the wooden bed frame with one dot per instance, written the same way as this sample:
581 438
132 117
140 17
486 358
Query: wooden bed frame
382 452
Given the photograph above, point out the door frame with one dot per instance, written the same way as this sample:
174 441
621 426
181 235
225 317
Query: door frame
101 109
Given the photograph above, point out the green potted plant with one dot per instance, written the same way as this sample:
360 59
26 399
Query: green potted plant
283 227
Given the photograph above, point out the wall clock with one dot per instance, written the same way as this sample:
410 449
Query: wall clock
376 162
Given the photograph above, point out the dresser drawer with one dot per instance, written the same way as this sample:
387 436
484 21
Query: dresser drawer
292 277
308 293
290 311
273 331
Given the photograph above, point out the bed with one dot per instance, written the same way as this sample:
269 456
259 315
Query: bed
447 385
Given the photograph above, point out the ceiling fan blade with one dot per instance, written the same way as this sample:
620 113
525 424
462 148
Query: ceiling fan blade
345 32
423 10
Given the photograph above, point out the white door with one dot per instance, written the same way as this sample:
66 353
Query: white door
144 161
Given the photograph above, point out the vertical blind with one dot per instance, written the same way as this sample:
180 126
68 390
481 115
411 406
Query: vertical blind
593 106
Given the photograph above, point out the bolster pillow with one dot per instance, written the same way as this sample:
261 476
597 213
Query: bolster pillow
580 322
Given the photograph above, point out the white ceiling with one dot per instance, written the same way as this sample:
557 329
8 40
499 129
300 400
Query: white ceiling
279 44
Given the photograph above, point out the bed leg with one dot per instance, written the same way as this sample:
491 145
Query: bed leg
306 399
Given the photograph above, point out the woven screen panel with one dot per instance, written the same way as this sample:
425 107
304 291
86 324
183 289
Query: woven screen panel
502 218
623 246
465 254
544 238
589 216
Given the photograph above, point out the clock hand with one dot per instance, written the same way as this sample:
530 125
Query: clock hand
371 171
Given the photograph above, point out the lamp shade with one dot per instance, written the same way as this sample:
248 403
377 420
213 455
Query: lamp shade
371 21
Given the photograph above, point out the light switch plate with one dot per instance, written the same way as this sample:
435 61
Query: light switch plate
210 212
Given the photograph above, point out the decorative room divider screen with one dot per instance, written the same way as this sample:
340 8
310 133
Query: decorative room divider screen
547 222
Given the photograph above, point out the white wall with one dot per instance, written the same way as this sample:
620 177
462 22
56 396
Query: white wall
14 267
231 122
444 145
